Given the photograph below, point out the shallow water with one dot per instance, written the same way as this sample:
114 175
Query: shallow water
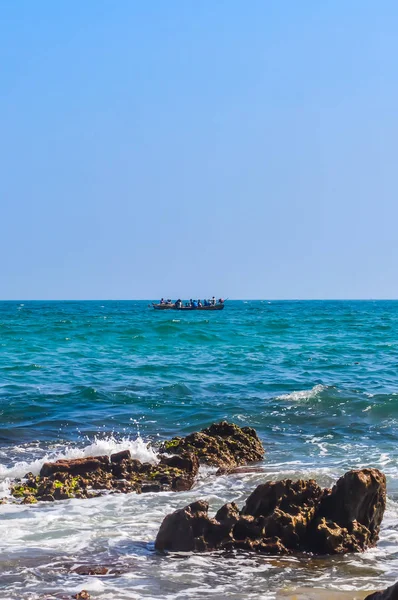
318 380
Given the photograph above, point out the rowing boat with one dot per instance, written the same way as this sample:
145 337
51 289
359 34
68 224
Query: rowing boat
174 307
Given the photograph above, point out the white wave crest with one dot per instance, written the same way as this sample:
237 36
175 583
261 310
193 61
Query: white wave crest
100 446
303 394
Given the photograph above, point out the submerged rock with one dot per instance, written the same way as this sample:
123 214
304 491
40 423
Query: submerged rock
83 595
91 570
222 443
283 517
391 593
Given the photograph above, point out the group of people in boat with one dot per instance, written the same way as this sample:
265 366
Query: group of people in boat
192 303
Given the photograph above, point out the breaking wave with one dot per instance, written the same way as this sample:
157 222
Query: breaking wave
303 394
100 446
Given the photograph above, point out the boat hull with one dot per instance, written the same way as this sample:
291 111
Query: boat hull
172 307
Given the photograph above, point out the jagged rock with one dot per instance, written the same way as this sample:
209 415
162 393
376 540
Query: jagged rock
186 462
88 477
350 516
391 593
29 500
222 445
190 529
284 516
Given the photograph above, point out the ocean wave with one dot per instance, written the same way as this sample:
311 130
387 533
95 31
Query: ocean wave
139 449
303 394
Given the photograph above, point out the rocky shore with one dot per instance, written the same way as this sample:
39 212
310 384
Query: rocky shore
223 445
277 518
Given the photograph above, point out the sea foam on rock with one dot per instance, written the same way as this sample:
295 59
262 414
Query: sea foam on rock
222 444
284 516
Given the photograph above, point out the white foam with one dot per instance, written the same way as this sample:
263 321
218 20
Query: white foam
303 394
100 446
320 443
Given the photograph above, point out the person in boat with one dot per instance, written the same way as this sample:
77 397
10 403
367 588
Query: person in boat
221 301
162 301
194 304
199 304
213 301
178 303
205 302
191 303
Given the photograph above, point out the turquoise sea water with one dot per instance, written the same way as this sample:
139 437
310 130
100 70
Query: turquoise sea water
318 380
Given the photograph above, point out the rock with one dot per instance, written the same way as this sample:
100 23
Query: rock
77 466
239 470
29 500
356 504
177 532
285 495
221 445
47 498
88 477
91 570
118 457
391 593
281 517
186 462
190 529
83 595
151 487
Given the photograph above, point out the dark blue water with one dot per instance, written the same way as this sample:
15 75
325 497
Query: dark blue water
318 380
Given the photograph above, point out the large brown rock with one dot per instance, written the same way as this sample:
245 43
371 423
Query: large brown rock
285 509
348 518
221 445
187 462
78 466
190 529
284 516
391 593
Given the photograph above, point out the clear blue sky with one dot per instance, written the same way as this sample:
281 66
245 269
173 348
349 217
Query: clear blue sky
183 148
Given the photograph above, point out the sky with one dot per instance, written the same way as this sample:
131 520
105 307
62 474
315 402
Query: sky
184 148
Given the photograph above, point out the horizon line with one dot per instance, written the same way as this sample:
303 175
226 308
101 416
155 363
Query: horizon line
269 299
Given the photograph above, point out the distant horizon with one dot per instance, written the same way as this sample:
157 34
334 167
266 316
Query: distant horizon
270 299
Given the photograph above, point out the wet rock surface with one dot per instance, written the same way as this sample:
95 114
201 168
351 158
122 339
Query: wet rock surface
221 444
83 595
391 593
119 473
91 570
284 516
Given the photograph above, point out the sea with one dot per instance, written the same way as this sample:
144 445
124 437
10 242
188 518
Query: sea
318 380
